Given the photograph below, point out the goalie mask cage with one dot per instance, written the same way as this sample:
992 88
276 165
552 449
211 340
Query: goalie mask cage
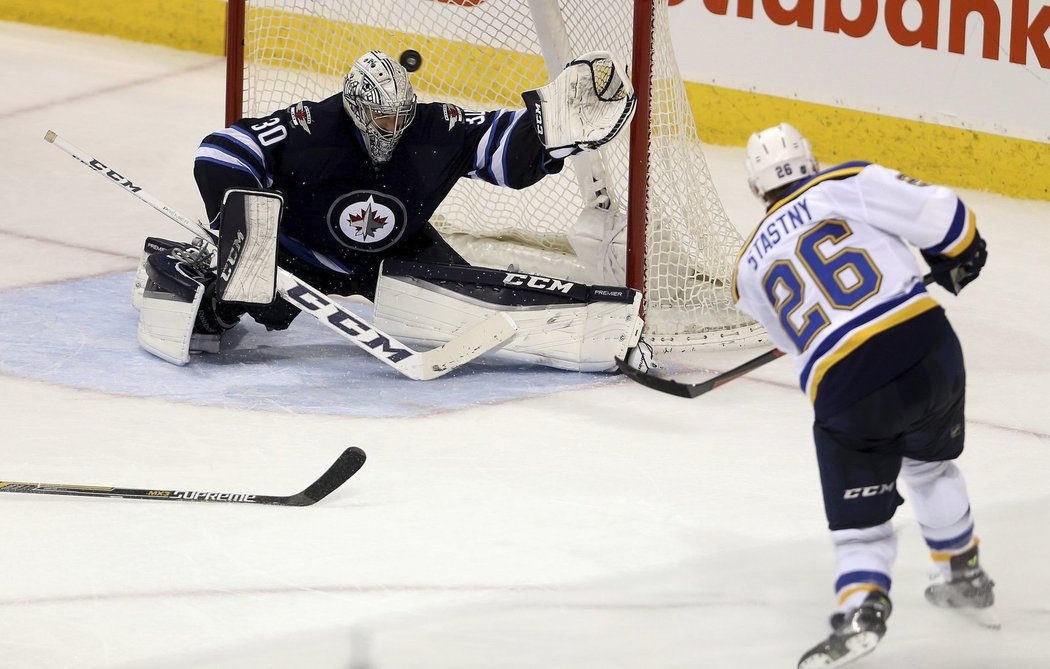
680 247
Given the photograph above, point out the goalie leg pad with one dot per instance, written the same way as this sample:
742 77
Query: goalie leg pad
178 313
168 310
561 324
247 261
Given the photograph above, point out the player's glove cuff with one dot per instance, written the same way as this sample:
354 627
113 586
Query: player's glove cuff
956 272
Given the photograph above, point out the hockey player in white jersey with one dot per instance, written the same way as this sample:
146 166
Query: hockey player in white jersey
832 274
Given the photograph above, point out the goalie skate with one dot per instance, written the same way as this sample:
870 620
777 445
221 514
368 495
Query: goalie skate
857 635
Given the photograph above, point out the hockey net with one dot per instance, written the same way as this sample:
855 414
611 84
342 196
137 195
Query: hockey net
481 54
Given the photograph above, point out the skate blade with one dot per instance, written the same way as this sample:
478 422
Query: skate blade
859 645
986 618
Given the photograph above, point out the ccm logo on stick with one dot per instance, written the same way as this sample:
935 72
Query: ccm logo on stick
319 305
120 179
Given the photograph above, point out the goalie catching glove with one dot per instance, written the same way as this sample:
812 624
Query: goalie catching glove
584 107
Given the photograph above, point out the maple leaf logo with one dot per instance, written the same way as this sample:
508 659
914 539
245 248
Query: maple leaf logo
367 222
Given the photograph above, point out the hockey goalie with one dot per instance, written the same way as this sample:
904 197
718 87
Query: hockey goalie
339 193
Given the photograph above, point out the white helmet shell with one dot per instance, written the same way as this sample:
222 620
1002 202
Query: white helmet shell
778 156
379 98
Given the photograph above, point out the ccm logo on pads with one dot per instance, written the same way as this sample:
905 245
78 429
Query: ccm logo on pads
538 282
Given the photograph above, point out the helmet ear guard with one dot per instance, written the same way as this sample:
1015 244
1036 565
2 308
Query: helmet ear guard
379 99
777 156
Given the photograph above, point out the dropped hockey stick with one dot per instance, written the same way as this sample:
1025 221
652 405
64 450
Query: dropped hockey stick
691 390
345 466
419 365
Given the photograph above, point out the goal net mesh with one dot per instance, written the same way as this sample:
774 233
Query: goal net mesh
481 54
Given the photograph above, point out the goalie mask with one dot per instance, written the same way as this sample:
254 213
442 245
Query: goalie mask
379 98
777 156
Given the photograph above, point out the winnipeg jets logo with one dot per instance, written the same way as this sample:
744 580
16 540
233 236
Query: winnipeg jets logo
367 220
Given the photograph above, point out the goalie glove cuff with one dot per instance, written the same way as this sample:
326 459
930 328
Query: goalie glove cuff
539 108
564 152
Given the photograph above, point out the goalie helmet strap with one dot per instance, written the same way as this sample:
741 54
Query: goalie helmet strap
505 288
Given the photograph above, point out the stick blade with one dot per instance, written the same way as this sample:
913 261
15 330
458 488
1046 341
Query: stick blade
468 344
345 466
669 386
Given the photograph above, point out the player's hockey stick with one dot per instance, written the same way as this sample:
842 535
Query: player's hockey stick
418 365
691 390
345 466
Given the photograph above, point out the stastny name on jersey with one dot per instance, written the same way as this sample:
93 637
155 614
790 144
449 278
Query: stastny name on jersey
774 229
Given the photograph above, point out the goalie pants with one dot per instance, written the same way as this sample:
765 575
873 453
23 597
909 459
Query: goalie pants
426 246
918 415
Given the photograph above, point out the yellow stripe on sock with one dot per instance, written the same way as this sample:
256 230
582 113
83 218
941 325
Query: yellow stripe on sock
860 587
945 556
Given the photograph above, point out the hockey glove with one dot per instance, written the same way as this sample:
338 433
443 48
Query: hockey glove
954 274
584 107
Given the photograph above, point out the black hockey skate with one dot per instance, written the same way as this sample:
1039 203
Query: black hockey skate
966 588
856 634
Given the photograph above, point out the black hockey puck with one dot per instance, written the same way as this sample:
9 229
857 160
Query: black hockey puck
411 60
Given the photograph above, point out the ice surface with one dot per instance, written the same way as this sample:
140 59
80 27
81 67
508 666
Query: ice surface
506 517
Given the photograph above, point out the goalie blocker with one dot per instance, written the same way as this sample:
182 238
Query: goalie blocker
561 324
247 262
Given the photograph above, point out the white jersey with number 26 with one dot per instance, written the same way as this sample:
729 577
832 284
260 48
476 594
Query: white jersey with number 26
828 267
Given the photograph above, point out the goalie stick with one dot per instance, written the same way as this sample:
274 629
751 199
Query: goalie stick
691 390
345 466
418 365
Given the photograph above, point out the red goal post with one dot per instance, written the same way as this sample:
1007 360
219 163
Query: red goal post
641 210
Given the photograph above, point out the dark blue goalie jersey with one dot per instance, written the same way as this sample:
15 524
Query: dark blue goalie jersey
342 212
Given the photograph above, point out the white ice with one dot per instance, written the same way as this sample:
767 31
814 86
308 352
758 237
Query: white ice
505 517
